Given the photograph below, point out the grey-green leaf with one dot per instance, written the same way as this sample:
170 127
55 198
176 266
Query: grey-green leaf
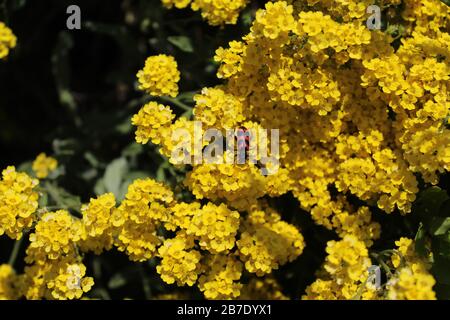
439 226
114 174
181 42
117 281
420 241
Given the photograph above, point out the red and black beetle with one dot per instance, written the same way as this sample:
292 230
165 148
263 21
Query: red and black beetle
243 140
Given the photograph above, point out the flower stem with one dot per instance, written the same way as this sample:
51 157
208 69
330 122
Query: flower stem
15 251
382 263
175 102
145 283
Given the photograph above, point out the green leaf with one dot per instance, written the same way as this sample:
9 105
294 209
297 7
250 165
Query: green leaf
439 226
118 280
133 175
114 175
441 245
429 203
187 97
69 199
99 187
72 201
160 174
61 197
43 200
447 2
62 73
93 161
132 150
125 276
89 174
181 42
65 147
26 167
66 97
58 172
247 17
420 241
441 269
125 126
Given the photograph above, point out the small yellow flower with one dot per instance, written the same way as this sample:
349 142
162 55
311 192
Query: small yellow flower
160 76
44 165
7 40
18 202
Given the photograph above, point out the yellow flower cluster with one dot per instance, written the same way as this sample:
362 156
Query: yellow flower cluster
152 122
180 263
54 237
8 279
181 141
267 242
221 275
345 10
209 232
231 58
355 116
216 12
215 227
353 113
205 247
412 280
276 21
219 12
69 281
348 259
60 279
265 288
240 185
7 40
366 176
217 109
18 202
43 165
97 229
160 76
211 246
137 218
55 270
425 16
348 221
344 273
180 4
